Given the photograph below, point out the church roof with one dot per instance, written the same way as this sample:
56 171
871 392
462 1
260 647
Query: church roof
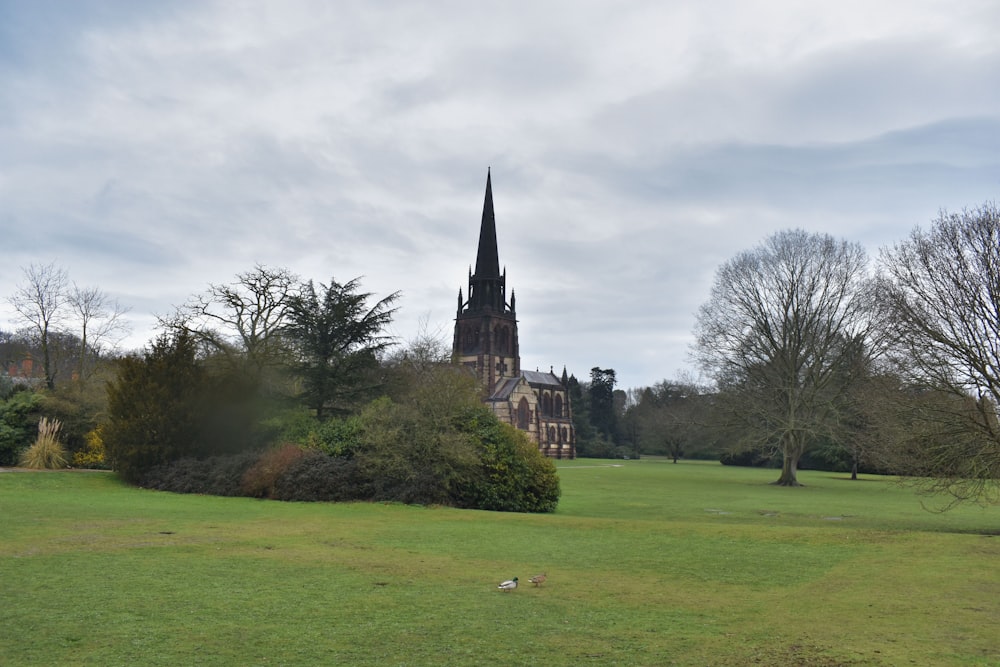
539 378
488 259
505 388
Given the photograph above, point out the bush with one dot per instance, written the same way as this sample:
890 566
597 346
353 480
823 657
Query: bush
76 406
47 453
92 454
216 475
410 459
338 437
514 475
259 480
318 477
18 419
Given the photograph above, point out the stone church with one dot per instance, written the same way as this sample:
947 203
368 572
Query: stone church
486 341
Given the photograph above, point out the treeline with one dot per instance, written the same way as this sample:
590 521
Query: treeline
683 419
274 387
671 419
816 356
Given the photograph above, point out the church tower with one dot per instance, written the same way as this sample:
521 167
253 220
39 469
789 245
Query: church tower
486 342
486 325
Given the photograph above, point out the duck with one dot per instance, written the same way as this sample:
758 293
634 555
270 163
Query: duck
508 585
537 579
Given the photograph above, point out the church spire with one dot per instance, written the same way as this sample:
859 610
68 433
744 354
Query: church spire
487 287
488 259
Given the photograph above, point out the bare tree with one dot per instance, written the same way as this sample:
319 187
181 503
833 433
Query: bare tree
779 335
100 319
40 303
944 296
242 320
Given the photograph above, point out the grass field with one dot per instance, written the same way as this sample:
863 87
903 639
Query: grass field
648 563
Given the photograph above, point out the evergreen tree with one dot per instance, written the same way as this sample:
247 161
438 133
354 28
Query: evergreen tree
155 406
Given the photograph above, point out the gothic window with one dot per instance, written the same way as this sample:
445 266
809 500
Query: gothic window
565 435
546 404
552 434
559 405
522 414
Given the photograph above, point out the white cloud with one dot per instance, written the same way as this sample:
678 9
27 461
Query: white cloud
155 148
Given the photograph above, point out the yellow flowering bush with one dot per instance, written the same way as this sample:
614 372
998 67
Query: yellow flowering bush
92 455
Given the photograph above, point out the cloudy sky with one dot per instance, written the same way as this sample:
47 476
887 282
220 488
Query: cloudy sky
153 148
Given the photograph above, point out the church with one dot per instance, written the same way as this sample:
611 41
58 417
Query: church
486 342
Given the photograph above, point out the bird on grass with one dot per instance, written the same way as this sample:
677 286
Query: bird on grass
508 585
537 579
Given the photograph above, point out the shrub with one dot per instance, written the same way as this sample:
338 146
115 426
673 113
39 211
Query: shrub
76 406
216 475
47 452
318 477
92 454
259 480
339 437
411 459
18 419
514 475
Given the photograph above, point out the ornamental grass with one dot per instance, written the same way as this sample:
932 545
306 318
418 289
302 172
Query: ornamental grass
47 453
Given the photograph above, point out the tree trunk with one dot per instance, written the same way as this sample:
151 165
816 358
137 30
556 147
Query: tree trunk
50 381
790 465
854 469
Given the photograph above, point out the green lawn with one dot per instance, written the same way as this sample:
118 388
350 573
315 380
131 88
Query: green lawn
648 563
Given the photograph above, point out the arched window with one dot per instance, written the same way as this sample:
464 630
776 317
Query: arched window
552 434
565 435
546 404
523 412
559 405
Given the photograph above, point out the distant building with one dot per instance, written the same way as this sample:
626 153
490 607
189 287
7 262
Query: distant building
486 342
23 371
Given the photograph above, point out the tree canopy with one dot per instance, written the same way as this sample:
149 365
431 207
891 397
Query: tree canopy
779 334
943 296
336 337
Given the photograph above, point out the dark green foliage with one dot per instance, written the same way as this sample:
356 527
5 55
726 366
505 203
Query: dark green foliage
167 405
19 414
602 402
336 338
156 408
339 437
318 477
596 407
216 475
476 462
513 476
409 459
580 404
436 444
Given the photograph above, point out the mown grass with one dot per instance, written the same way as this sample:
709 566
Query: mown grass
649 563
